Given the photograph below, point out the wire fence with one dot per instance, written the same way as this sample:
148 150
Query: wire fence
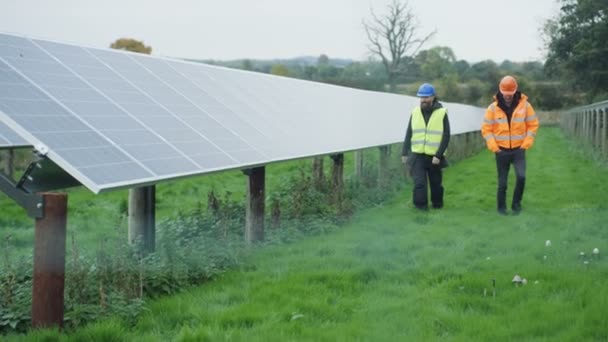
587 125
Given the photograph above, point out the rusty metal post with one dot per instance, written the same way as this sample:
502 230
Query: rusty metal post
337 172
254 208
49 262
337 177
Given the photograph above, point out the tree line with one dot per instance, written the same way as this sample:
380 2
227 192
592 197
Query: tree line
575 71
456 80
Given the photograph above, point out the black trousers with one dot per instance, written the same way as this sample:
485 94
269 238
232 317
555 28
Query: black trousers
422 169
504 159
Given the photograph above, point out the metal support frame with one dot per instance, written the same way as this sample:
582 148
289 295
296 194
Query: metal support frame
41 175
44 175
32 203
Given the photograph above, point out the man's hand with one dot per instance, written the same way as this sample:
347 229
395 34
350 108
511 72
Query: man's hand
436 160
404 159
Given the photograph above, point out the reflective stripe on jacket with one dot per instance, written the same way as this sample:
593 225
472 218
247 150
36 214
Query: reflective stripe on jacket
498 133
427 137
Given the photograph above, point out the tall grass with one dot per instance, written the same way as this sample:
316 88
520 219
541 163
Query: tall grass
94 218
112 278
396 274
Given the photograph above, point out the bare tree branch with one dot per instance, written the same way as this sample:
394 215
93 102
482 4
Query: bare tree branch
394 36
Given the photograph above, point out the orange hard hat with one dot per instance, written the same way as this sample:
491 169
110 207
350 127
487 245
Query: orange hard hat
508 85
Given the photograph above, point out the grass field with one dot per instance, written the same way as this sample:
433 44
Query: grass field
395 274
94 218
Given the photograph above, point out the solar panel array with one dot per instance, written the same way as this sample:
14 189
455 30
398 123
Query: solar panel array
8 137
116 119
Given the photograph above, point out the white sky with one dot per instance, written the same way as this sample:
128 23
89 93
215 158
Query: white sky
232 29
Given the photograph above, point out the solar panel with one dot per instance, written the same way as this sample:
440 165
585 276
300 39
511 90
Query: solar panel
8 137
116 119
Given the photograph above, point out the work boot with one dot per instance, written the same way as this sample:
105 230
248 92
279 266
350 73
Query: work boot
516 207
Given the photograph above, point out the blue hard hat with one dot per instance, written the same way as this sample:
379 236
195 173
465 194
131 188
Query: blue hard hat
426 89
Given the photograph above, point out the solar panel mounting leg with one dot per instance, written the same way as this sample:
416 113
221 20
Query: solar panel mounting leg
358 164
337 176
383 166
254 209
49 262
142 217
317 172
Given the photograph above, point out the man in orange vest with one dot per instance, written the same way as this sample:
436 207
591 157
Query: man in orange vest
509 128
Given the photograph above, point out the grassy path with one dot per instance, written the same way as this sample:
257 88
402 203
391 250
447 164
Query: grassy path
395 274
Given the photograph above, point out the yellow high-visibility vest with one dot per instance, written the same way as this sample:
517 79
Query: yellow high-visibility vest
427 137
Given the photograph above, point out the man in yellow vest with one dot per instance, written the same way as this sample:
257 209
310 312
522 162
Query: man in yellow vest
426 140
509 128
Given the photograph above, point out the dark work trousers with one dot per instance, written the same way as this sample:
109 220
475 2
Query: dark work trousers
504 159
421 168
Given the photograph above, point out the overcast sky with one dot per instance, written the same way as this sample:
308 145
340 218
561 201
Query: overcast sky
232 29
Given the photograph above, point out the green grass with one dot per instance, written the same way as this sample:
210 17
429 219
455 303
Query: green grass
95 218
395 274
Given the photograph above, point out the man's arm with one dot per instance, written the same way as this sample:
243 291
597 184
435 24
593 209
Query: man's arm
445 139
487 130
531 127
407 142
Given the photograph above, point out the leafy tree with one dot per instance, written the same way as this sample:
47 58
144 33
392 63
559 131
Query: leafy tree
266 68
410 71
323 60
279 70
576 43
549 96
448 88
473 93
462 68
132 45
324 71
486 71
534 70
436 62
247 65
393 37
327 72
363 76
310 72
296 71
508 66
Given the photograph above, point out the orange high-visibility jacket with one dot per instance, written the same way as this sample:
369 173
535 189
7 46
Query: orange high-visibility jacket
497 132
